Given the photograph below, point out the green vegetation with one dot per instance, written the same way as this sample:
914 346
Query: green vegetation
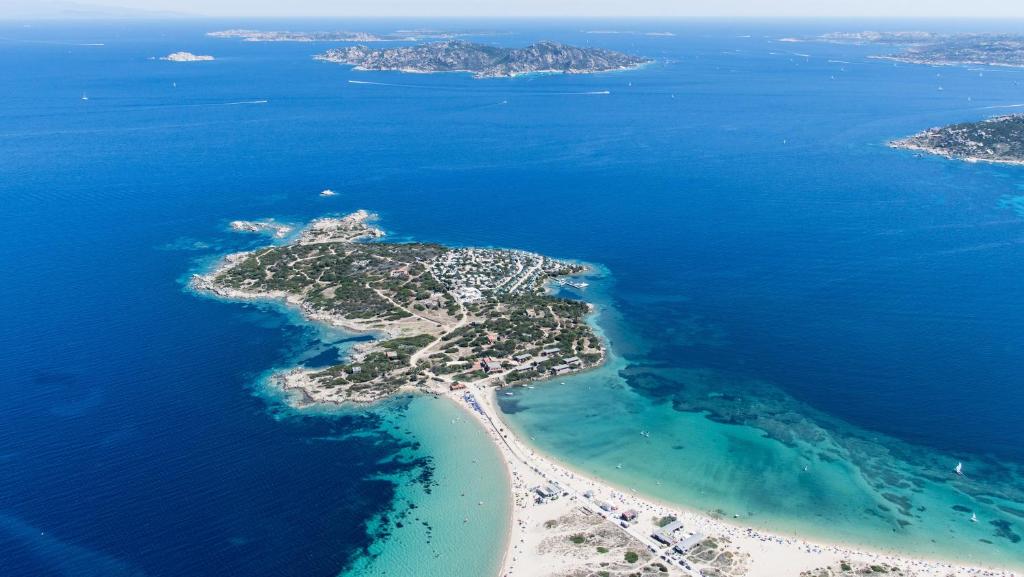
449 309
631 557
998 139
578 539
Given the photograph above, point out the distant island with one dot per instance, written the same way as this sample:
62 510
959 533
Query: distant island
999 139
444 316
941 49
874 37
286 36
249 35
484 61
186 57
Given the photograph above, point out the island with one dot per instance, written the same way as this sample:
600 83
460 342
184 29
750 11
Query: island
999 140
186 57
248 35
444 316
482 60
941 49
875 37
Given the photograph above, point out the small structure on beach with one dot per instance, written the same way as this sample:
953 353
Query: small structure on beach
690 542
666 534
629 515
456 386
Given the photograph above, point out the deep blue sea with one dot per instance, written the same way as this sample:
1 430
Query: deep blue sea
767 255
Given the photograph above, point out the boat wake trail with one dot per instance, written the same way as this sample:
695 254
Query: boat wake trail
1002 106
588 93
389 84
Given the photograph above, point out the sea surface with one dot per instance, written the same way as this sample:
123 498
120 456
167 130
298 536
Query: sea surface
813 328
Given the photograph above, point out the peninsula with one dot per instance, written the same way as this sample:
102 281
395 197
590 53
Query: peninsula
445 316
941 49
999 139
461 323
482 60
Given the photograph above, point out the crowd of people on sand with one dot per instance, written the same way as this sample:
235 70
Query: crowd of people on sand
524 461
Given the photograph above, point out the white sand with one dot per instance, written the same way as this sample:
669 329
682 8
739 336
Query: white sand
770 555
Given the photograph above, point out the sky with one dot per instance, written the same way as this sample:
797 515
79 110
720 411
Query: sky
985 9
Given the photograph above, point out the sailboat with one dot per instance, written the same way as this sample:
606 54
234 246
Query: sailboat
974 517
84 97
959 469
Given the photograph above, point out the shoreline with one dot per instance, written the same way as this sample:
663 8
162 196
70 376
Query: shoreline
904 145
769 551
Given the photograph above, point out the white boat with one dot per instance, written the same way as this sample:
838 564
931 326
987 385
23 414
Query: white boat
84 97
959 469
509 394
619 466
974 517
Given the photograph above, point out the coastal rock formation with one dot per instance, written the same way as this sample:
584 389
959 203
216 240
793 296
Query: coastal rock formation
998 139
444 316
269 227
482 60
186 57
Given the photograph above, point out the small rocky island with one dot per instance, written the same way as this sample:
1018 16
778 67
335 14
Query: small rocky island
999 139
941 49
186 57
443 316
482 60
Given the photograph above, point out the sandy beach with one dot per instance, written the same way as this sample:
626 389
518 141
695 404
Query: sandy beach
758 553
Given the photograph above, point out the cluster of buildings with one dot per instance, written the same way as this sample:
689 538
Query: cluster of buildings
668 535
471 273
527 361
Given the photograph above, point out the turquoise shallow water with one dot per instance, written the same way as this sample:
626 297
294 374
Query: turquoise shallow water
455 524
790 469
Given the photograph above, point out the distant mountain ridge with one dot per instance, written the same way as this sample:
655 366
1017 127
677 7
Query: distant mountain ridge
484 61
